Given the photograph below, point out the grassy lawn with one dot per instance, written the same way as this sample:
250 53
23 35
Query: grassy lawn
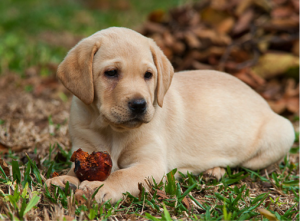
37 35
240 195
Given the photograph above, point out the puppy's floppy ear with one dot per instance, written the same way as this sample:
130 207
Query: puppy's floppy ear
75 71
165 72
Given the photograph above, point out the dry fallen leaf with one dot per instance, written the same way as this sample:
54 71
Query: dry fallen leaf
295 4
161 194
295 49
3 148
270 216
4 167
156 16
68 218
278 106
213 17
284 11
186 202
225 26
283 24
213 36
272 64
54 174
291 89
243 6
250 78
244 22
292 104
192 40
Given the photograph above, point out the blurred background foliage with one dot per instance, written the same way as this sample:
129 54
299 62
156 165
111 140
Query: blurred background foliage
39 33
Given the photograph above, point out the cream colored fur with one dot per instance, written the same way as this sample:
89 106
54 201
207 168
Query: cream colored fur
205 121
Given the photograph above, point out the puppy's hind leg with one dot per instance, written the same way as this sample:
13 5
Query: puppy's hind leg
276 139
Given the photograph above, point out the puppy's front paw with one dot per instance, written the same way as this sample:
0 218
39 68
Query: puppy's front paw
104 194
62 180
216 172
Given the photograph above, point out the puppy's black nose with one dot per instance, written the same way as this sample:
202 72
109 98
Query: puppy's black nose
137 106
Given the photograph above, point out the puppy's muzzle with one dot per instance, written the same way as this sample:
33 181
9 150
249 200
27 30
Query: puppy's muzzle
137 106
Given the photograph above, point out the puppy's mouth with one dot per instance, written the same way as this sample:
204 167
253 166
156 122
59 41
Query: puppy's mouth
132 122
136 120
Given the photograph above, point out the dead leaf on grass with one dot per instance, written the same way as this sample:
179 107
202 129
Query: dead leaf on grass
68 218
161 194
187 202
4 167
140 187
270 216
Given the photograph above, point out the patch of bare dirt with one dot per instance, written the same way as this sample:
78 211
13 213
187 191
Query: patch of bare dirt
34 113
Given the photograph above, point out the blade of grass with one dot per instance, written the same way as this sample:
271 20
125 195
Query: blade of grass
34 200
170 186
35 170
187 191
196 201
3 173
16 171
96 191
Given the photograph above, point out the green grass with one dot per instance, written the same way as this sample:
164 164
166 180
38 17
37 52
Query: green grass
233 198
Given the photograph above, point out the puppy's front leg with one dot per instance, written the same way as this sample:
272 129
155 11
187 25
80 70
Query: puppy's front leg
62 180
125 180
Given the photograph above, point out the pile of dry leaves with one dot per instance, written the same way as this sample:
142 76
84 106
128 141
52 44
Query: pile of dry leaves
255 40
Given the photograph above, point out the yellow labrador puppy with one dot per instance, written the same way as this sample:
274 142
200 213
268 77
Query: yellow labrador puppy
125 104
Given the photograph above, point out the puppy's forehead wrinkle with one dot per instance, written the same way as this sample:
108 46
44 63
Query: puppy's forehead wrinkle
128 45
122 49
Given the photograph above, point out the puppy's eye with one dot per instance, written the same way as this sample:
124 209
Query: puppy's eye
111 73
148 75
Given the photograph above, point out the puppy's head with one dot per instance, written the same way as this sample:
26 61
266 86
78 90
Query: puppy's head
121 72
